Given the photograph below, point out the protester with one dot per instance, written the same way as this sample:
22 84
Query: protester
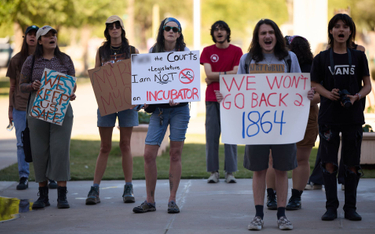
301 47
114 49
218 59
316 178
267 51
50 143
174 114
341 77
18 101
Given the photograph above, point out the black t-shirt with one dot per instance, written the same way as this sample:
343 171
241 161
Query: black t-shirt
342 76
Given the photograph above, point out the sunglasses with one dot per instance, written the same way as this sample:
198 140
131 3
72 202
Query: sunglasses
168 28
117 24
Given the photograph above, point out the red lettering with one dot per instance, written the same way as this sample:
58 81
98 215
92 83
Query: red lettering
64 97
254 97
249 83
268 99
274 81
49 81
233 82
243 100
225 102
287 78
195 93
60 84
262 99
281 99
42 102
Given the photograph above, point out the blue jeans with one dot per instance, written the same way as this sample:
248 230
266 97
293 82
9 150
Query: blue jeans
176 117
19 119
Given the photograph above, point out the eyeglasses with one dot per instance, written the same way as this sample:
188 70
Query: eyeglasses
168 28
117 24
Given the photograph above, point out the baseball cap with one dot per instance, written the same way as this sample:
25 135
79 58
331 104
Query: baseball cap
113 19
44 30
32 27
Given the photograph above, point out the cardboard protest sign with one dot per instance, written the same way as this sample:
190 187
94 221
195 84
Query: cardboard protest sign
52 100
160 77
112 87
264 108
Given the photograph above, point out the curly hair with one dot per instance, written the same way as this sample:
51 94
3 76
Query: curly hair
220 24
159 45
301 47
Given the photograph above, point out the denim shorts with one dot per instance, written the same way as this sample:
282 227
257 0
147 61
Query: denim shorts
126 118
176 117
284 157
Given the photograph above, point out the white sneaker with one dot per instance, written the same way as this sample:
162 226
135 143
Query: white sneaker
229 178
312 186
214 178
256 224
284 224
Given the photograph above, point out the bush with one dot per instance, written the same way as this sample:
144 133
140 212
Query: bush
367 128
144 117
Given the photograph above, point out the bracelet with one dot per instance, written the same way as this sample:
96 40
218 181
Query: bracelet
358 95
219 73
225 73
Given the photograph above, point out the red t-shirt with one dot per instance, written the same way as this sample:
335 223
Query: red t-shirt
221 60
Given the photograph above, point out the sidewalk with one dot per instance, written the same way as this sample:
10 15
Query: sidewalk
205 208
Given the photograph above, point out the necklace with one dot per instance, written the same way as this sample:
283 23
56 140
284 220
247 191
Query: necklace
115 50
269 62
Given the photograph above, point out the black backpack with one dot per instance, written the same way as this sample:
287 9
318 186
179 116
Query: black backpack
287 60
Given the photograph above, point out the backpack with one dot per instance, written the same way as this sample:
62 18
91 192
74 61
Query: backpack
287 60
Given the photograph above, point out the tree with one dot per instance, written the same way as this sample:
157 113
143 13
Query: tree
241 16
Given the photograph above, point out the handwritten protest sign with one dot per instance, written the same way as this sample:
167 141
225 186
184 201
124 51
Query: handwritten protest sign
160 77
264 108
112 87
52 100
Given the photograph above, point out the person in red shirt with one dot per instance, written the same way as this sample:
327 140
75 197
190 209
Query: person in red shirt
218 59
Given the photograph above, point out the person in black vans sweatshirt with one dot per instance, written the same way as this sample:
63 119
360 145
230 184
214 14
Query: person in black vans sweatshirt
341 76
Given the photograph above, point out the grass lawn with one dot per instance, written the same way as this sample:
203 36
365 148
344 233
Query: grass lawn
84 151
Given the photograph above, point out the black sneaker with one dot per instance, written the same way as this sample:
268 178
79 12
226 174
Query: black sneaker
271 199
173 208
93 196
144 207
52 184
330 214
24 183
128 196
352 215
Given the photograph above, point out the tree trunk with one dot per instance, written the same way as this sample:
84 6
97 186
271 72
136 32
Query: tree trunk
18 39
85 37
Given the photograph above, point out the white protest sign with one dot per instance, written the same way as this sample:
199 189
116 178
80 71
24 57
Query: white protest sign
264 108
160 77
52 99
